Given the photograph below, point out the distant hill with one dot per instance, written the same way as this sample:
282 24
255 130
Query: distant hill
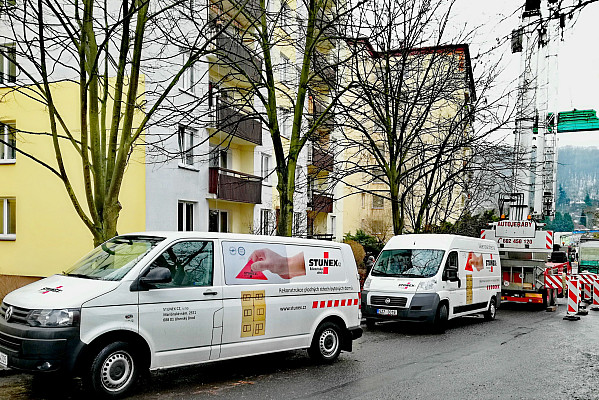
578 172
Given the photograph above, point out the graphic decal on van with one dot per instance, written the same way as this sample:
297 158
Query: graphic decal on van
247 273
253 263
45 290
253 313
475 261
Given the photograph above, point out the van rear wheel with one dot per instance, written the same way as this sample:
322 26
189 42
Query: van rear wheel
114 370
326 343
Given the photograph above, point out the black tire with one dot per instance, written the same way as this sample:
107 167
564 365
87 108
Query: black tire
114 370
441 317
546 299
491 311
326 343
370 323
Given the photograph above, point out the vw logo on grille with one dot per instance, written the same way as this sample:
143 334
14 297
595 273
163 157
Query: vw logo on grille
387 300
8 314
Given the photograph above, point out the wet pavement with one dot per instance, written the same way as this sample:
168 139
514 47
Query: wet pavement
524 354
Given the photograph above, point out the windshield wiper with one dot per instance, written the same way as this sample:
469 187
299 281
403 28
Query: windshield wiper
83 276
410 275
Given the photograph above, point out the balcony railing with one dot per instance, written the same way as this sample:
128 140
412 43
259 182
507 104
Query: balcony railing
231 120
315 110
326 70
321 159
232 51
234 186
320 201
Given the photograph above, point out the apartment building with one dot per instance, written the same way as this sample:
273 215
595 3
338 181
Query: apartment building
366 196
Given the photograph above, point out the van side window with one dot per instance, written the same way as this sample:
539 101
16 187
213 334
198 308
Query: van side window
452 261
190 263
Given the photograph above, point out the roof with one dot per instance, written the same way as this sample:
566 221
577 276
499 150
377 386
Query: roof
463 47
440 241
174 235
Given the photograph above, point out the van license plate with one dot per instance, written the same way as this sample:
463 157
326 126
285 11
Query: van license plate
3 360
384 311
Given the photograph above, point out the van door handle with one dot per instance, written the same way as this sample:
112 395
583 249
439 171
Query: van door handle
210 293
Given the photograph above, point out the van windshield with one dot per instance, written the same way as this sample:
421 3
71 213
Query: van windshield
410 263
112 260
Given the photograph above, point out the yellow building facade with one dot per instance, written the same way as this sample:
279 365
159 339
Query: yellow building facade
46 235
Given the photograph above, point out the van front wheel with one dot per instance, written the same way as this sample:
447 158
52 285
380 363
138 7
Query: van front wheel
114 370
326 343
492 311
440 323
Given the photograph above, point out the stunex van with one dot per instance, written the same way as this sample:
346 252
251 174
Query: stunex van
168 299
433 278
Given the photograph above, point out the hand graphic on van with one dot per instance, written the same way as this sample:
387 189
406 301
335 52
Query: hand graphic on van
285 267
474 261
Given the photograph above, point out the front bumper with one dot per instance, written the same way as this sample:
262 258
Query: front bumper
422 308
36 349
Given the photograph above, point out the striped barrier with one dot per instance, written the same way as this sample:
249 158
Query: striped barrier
586 290
595 306
554 282
573 299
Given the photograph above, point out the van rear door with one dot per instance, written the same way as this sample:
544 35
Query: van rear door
180 317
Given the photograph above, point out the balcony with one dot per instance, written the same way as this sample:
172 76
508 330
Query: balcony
325 69
251 8
232 51
315 110
320 201
234 186
321 159
231 120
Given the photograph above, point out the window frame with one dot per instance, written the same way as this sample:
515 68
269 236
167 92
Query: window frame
188 82
219 220
6 64
265 172
6 217
6 129
382 199
186 136
185 216
170 246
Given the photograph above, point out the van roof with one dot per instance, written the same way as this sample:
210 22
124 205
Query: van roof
173 235
440 241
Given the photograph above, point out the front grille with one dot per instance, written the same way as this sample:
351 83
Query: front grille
10 342
393 301
19 315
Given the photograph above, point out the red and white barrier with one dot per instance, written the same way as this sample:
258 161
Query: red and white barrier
595 295
554 282
573 299
586 288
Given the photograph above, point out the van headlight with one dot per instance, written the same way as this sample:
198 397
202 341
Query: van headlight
54 318
427 285
367 283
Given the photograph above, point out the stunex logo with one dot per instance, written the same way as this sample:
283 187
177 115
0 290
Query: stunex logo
321 265
45 290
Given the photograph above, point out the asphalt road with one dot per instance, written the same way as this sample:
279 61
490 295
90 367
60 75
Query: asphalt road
523 354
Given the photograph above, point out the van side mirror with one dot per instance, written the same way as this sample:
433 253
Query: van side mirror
451 275
156 275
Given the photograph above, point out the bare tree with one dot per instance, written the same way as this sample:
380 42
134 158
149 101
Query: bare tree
408 117
124 58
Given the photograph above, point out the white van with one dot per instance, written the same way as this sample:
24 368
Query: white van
433 278
167 299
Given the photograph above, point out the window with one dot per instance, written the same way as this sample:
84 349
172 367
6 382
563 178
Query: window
285 14
333 229
219 158
185 216
190 263
287 71
218 221
186 144
363 195
188 78
297 224
285 123
265 168
377 202
8 68
266 221
8 143
8 218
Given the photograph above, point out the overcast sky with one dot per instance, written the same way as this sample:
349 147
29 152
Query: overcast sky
578 60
